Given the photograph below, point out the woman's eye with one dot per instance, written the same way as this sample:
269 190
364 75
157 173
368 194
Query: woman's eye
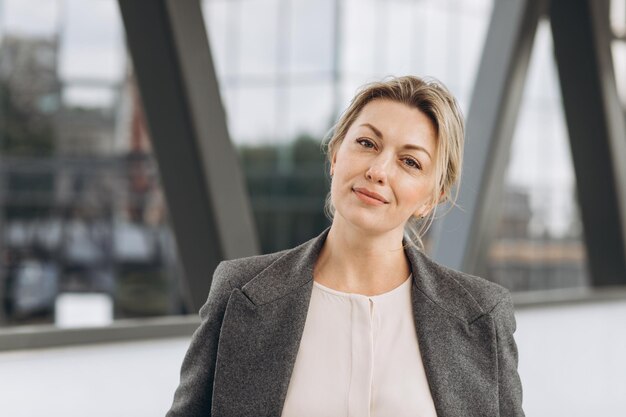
412 163
365 143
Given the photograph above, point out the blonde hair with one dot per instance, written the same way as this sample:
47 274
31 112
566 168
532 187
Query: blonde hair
432 98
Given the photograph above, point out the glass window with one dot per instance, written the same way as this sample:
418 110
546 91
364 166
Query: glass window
399 38
279 98
278 115
221 23
82 212
261 37
618 26
85 236
311 36
254 115
358 33
309 110
539 239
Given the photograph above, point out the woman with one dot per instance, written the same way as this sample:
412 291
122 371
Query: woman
359 321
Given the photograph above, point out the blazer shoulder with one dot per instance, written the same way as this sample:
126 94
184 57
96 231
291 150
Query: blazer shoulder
487 294
238 272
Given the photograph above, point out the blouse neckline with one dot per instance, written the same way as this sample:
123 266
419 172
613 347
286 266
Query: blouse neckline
387 294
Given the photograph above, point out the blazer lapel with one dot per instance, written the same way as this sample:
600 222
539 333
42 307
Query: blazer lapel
261 333
457 342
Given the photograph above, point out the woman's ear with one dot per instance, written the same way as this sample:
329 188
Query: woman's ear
423 210
441 196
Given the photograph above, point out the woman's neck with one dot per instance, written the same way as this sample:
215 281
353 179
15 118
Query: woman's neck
363 263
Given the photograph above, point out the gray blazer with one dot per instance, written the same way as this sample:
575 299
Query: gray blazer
241 357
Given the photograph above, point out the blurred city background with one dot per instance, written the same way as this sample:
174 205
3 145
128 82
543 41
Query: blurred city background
85 232
81 207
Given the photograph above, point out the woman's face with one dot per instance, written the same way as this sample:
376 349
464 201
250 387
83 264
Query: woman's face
384 169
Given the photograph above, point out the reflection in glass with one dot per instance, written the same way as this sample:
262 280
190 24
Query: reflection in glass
81 208
84 233
539 237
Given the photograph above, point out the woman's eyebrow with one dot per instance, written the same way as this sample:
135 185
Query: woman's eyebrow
376 131
407 146
417 148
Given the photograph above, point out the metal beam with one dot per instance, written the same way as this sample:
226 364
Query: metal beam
462 237
597 131
203 184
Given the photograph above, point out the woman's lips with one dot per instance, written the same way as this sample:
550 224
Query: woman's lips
369 197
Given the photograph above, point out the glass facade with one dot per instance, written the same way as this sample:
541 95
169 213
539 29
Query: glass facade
618 45
82 212
83 220
284 87
539 239
539 235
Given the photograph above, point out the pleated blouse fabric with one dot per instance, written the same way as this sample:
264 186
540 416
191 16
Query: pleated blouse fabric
359 357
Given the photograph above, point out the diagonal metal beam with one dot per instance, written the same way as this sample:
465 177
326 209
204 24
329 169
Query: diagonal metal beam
462 237
203 184
597 130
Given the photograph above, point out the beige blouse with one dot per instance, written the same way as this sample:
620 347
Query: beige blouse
359 357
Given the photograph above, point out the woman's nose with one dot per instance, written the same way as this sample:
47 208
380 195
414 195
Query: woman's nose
377 172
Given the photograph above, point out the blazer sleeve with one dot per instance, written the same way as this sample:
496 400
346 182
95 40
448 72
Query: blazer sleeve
510 386
193 397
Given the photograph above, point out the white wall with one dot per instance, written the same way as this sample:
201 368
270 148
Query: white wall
123 379
573 360
572 363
